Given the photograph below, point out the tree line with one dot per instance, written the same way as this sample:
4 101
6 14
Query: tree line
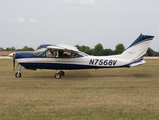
25 48
98 50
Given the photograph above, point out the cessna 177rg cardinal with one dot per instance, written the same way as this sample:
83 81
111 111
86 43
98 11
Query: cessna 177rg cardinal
64 57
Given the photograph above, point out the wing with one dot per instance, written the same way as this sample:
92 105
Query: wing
66 48
45 45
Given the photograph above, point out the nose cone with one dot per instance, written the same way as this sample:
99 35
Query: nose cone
12 55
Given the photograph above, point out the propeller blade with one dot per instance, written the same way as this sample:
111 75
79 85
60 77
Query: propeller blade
13 61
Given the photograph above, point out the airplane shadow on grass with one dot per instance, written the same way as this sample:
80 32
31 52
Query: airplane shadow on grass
84 74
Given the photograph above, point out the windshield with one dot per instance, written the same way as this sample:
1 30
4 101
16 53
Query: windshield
82 53
39 51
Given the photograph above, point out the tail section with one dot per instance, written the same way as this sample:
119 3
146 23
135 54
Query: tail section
135 52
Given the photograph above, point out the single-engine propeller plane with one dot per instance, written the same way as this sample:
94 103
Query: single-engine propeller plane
64 57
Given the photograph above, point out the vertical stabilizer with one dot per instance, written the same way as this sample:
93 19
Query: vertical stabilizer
137 49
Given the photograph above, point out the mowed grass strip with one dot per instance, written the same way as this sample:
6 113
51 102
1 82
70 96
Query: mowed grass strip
120 93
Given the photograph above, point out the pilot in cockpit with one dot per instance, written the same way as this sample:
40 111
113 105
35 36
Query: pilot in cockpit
50 53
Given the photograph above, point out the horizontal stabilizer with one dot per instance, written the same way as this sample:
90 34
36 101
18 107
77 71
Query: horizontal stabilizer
137 63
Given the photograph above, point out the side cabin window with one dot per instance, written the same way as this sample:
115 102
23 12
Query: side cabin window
51 53
69 55
58 54
44 52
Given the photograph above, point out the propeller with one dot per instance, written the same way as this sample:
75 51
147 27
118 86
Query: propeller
14 61
13 56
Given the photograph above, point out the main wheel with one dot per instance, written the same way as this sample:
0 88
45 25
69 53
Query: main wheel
57 76
62 73
18 75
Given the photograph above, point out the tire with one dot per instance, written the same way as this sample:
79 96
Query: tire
18 75
57 76
62 73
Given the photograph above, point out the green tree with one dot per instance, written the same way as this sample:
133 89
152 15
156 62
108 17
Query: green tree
89 52
78 47
19 50
83 48
10 49
25 48
151 52
107 52
87 48
1 49
38 48
119 49
98 49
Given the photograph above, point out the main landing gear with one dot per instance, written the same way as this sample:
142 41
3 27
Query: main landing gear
58 74
18 74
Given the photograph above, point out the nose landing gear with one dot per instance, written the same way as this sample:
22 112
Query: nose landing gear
18 74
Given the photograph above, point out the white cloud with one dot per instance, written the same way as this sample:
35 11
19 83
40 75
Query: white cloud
80 2
87 2
84 2
32 21
21 20
0 16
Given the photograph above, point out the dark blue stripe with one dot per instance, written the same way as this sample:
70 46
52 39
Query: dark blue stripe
136 61
62 66
19 55
140 39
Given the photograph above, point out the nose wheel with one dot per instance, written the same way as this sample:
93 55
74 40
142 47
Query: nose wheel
18 74
59 74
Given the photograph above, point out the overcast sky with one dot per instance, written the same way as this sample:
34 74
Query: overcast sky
82 22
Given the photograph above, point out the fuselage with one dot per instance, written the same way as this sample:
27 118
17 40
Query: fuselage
31 61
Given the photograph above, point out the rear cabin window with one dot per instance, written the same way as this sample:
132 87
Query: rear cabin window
69 55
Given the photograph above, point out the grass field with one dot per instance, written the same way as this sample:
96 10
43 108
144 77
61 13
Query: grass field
103 94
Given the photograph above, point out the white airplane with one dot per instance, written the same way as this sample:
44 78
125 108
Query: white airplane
64 57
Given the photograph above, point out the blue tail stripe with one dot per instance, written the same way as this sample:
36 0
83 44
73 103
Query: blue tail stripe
140 39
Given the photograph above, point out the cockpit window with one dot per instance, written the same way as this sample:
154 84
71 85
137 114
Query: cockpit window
39 51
